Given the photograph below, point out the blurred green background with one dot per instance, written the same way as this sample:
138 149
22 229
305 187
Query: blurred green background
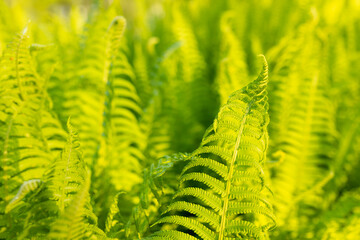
189 56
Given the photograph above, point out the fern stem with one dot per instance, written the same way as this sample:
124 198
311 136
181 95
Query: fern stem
22 37
230 175
70 148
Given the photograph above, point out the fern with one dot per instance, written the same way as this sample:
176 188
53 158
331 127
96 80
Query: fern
85 101
63 191
25 189
305 132
31 135
121 149
71 224
121 124
67 173
185 83
223 189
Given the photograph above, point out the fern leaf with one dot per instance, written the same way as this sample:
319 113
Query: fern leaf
72 224
302 112
62 194
67 172
84 102
237 144
123 138
30 134
111 221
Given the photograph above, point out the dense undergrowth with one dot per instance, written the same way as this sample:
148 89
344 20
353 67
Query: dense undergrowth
161 119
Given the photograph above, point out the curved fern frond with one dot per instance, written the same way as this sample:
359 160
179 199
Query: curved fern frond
26 188
221 206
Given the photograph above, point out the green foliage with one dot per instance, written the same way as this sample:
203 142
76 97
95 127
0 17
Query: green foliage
223 188
150 119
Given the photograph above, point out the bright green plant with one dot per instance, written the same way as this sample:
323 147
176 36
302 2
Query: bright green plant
161 119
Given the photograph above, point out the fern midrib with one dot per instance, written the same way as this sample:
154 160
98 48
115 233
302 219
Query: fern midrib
109 55
304 150
62 203
21 94
230 175
107 60
42 137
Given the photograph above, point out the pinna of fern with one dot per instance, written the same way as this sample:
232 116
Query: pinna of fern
222 191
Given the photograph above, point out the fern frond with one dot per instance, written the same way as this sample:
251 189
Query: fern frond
220 207
30 134
303 129
123 138
156 131
111 220
121 145
85 101
62 191
141 65
72 223
68 171
185 83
